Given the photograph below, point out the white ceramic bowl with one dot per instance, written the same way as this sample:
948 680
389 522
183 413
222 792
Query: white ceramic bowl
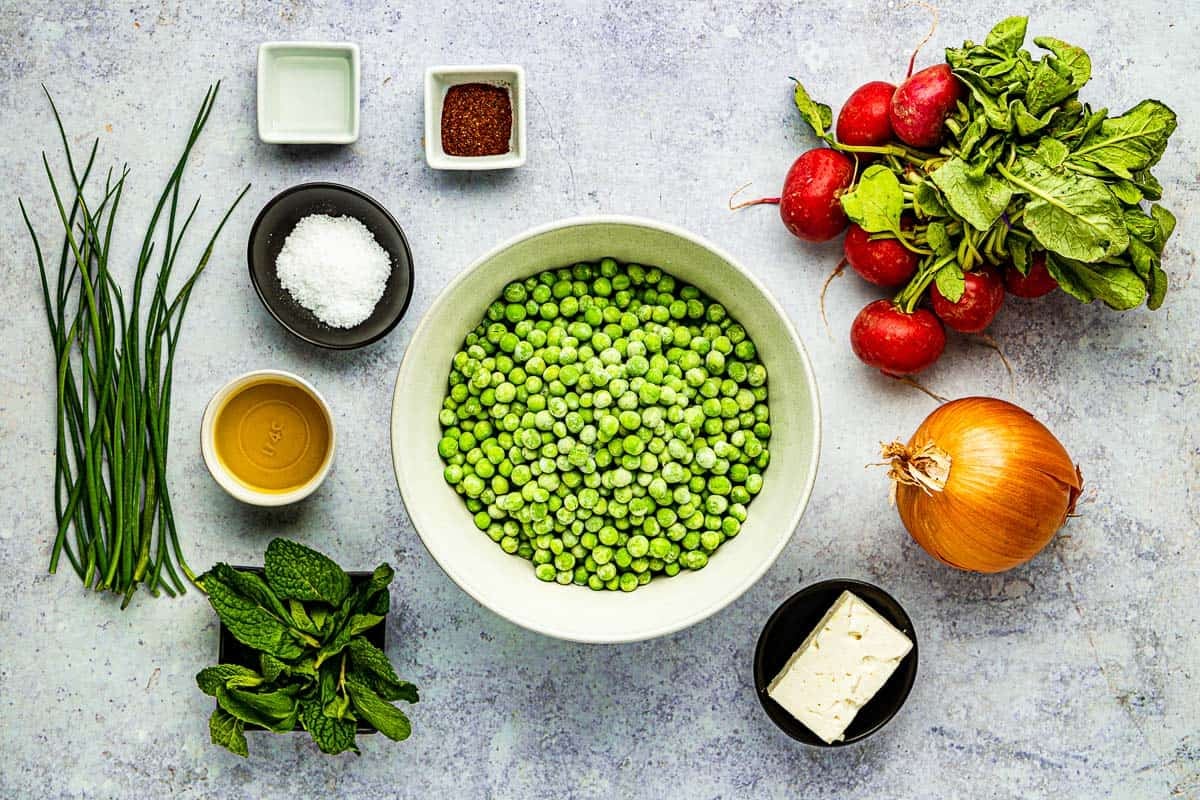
308 92
225 478
438 81
506 583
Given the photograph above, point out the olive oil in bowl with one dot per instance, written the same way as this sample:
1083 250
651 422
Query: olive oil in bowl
268 438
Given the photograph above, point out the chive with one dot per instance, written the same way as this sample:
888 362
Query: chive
113 364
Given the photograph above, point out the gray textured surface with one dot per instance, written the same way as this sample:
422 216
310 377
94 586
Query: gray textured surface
1073 677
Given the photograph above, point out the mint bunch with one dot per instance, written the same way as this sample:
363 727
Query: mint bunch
316 669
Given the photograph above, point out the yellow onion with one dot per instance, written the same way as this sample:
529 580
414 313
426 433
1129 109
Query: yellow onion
982 485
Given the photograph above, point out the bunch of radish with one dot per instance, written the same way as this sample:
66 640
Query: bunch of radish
878 114
947 187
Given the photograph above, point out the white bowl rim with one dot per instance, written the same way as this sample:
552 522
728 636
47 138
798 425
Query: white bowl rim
467 584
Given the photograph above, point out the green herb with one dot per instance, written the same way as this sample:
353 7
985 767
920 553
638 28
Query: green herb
316 668
114 360
1025 167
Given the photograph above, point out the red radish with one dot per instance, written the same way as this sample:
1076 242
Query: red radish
863 120
983 293
922 103
811 205
894 342
1038 282
883 262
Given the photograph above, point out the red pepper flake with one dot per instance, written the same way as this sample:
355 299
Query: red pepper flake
476 120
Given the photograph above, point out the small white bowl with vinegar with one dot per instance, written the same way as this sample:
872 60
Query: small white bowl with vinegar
268 438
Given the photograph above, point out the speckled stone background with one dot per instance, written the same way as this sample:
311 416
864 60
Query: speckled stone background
1072 677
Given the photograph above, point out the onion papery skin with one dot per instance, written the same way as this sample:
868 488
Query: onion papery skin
1011 485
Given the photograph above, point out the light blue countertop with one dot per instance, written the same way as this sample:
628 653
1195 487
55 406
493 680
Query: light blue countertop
1076 676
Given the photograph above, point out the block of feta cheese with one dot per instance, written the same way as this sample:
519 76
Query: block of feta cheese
839 667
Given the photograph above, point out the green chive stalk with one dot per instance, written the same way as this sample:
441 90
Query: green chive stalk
114 360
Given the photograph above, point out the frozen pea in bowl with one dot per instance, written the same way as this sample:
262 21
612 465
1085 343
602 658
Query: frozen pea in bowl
605 430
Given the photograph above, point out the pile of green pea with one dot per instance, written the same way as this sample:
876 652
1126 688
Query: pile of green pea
607 423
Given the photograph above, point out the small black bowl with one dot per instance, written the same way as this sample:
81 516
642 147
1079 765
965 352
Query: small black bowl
787 629
271 229
231 651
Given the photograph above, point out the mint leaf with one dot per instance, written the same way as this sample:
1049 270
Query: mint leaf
297 572
876 200
818 115
401 690
371 665
360 623
331 735
1007 36
300 617
250 585
950 283
338 708
275 711
366 657
334 645
1074 60
250 623
1073 215
272 668
371 597
209 678
228 731
387 719
979 200
319 614
1131 142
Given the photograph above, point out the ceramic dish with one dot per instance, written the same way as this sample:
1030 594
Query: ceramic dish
271 229
308 92
505 583
438 80
225 478
787 629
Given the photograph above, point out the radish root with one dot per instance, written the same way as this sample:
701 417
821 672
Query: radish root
913 382
837 271
933 11
760 201
989 341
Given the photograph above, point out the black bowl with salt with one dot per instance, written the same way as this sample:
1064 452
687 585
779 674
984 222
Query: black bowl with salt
270 231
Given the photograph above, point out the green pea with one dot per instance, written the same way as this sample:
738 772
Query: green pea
606 418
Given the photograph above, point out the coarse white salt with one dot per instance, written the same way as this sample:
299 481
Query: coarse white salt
334 268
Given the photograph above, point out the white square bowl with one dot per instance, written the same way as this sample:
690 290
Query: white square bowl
332 79
439 79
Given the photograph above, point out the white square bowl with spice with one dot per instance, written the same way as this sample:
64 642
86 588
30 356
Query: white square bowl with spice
440 80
